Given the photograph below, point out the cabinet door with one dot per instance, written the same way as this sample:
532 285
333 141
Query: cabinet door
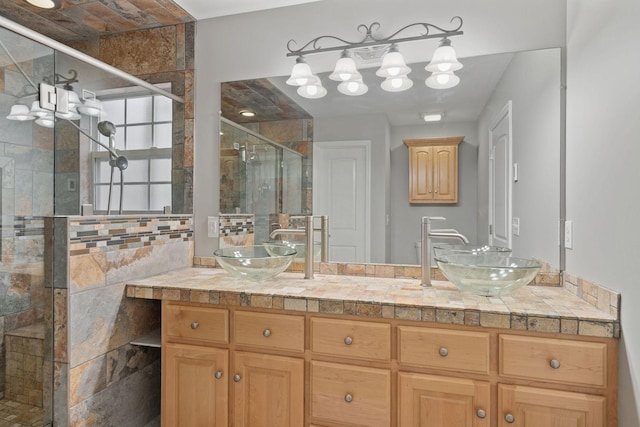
429 400
268 390
420 174
445 174
520 406
195 386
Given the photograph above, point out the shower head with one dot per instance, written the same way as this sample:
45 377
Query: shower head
107 129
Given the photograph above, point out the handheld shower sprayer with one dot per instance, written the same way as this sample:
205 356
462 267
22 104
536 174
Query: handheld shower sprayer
109 130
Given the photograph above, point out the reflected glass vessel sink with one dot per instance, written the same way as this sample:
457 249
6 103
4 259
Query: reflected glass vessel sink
299 247
255 262
449 248
487 274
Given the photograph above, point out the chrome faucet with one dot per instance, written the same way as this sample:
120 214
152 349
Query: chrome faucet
427 234
308 232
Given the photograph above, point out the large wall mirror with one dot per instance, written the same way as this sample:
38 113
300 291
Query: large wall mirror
517 92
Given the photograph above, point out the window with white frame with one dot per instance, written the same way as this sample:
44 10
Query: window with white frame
144 134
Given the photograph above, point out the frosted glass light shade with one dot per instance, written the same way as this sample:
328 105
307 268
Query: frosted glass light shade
396 84
442 80
345 69
71 115
74 99
300 74
353 88
37 111
20 113
45 4
312 91
444 58
91 107
393 64
46 121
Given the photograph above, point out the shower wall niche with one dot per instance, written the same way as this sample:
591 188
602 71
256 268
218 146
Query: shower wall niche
259 176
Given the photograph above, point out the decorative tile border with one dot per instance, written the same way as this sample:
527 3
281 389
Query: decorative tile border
23 227
102 234
236 224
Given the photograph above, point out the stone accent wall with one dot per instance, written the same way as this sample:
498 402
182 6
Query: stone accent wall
160 55
99 377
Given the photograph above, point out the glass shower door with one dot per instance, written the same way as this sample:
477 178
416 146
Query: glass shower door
26 198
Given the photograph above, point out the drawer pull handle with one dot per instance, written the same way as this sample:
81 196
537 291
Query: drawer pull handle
554 363
266 333
348 340
195 325
218 375
509 418
236 378
443 352
481 413
348 398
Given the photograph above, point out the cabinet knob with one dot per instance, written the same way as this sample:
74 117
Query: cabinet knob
554 363
481 413
266 333
443 352
236 378
348 398
509 418
348 340
194 325
218 375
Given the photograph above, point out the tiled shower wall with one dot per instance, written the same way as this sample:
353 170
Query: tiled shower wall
26 175
101 379
158 55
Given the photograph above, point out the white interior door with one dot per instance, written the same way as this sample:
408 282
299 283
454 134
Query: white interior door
341 190
500 210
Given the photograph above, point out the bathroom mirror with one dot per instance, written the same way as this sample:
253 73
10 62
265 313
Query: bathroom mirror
521 90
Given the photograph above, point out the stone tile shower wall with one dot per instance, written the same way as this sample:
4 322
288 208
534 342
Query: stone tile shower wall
158 55
96 369
26 197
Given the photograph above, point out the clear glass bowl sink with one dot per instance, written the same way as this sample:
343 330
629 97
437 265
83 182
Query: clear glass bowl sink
255 262
487 274
448 248
300 248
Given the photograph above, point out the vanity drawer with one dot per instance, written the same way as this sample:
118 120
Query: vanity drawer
554 360
269 331
444 349
352 395
205 325
353 339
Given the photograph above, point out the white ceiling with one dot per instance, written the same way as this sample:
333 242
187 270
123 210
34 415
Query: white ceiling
203 9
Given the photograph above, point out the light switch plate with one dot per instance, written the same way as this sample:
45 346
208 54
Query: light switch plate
568 234
213 226
515 226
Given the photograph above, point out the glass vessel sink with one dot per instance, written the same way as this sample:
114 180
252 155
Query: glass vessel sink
299 247
449 248
255 262
487 274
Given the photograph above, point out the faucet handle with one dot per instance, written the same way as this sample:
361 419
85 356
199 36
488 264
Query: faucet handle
427 219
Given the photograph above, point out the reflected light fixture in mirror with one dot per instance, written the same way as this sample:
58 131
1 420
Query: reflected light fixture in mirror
432 117
45 4
393 69
247 113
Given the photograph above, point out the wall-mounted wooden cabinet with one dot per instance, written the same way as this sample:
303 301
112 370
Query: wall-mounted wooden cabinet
433 169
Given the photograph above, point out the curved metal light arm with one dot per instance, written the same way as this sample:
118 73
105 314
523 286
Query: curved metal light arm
313 46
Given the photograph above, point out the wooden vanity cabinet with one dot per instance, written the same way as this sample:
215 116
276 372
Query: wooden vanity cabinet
244 367
433 169
212 380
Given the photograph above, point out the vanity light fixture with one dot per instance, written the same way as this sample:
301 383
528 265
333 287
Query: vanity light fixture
393 69
45 4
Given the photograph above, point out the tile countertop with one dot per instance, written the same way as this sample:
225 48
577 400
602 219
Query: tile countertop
533 308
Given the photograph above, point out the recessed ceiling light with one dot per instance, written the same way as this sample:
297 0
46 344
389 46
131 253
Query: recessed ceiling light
45 4
432 117
247 113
